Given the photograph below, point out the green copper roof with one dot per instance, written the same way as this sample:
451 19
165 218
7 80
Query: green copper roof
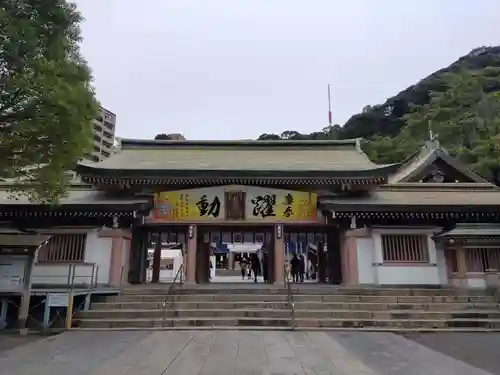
471 230
82 196
266 156
420 195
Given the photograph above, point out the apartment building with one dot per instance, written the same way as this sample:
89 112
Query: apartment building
103 135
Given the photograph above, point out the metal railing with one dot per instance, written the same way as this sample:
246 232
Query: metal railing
66 280
170 290
290 300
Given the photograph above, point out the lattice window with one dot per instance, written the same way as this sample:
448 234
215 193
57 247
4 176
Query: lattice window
64 248
259 237
480 259
405 248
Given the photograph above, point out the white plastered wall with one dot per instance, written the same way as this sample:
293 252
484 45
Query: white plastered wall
96 262
371 268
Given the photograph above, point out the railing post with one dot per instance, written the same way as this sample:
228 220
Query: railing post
96 275
70 268
73 276
121 277
69 310
92 276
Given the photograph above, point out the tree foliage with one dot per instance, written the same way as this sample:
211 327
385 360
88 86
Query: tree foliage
47 103
460 104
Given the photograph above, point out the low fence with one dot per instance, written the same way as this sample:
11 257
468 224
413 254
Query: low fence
66 275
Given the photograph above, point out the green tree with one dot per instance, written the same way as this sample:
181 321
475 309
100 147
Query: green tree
464 117
47 102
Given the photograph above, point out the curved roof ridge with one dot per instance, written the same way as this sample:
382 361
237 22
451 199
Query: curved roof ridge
151 143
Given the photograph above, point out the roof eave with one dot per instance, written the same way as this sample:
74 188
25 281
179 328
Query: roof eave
404 207
95 171
81 207
128 143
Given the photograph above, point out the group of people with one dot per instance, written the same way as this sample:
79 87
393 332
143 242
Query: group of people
297 268
253 266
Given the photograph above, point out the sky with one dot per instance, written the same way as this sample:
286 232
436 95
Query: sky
234 69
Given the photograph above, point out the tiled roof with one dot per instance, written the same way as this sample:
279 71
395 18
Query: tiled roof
419 195
22 239
268 156
76 197
471 230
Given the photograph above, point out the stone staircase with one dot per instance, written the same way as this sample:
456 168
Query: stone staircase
315 307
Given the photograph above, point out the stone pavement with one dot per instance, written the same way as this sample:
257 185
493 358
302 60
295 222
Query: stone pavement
231 353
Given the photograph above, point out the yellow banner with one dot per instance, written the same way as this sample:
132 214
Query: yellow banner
258 204
283 205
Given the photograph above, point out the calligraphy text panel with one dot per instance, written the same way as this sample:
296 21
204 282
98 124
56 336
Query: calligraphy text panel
261 204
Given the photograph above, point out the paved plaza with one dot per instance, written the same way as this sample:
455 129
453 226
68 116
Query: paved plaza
248 353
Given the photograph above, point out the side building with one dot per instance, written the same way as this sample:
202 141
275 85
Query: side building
103 136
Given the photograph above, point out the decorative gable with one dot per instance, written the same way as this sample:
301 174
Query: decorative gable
440 171
433 163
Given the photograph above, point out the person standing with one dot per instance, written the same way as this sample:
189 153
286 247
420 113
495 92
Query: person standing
243 267
295 265
255 261
265 271
302 267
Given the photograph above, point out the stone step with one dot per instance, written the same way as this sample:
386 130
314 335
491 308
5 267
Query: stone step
450 306
300 298
301 289
397 324
286 313
182 322
285 328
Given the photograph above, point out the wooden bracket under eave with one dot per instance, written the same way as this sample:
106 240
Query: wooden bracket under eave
112 232
360 232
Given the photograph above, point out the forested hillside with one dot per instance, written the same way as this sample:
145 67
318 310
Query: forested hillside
460 103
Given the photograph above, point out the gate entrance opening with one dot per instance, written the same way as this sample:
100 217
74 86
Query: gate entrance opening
220 253
227 254
234 254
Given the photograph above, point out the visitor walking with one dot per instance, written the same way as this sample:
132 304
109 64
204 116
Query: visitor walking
243 267
295 266
255 261
302 268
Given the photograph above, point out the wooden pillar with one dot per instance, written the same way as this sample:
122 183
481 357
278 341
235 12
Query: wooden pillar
137 264
24 306
270 250
203 252
461 266
116 262
191 254
279 255
333 256
156 259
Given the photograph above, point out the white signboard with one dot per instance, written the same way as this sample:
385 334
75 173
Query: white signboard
57 299
11 271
